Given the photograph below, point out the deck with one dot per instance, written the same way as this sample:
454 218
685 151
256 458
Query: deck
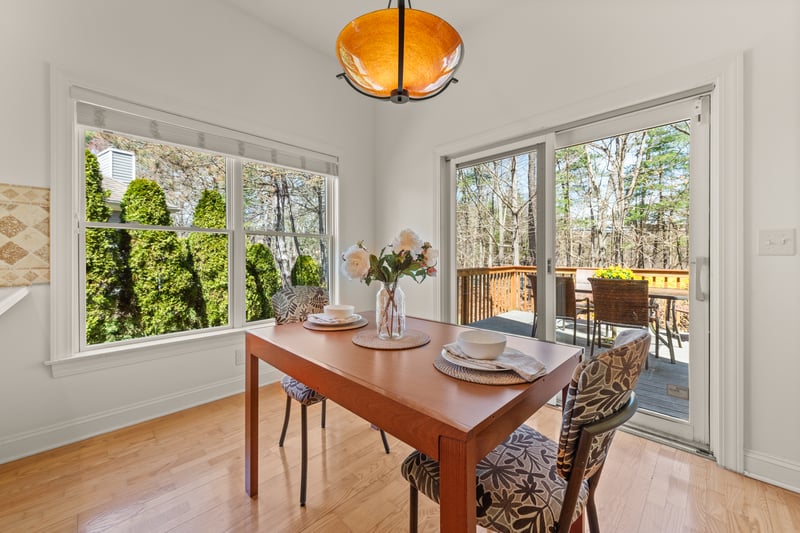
661 386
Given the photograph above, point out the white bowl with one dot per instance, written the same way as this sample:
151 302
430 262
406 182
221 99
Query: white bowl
481 344
339 310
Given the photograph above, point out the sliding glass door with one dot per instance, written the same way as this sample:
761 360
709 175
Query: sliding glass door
631 196
534 220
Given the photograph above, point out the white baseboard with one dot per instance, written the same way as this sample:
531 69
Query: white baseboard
50 437
772 470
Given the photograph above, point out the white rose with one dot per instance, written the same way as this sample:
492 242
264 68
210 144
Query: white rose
431 255
356 262
408 240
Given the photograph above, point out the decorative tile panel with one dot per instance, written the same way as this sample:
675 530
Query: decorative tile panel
24 235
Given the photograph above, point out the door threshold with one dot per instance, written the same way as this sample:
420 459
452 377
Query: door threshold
666 440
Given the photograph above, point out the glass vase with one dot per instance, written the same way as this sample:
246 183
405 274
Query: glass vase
390 311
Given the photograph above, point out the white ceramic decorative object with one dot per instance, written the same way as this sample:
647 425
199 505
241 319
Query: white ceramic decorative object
481 344
339 310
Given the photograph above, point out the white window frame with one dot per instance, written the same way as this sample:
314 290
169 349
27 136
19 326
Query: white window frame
69 355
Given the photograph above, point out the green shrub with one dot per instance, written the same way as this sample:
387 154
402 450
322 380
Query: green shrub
263 279
306 271
163 283
209 252
104 321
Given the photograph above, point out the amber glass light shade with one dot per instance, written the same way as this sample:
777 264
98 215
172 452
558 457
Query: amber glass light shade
368 47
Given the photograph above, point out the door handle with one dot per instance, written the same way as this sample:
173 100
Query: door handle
700 265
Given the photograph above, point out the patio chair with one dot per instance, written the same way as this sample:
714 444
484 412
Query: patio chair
622 302
567 307
294 304
530 483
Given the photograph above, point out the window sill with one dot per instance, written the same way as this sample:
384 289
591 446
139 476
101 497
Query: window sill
110 357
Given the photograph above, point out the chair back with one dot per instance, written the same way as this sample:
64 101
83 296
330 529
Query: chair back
565 295
295 303
621 301
600 387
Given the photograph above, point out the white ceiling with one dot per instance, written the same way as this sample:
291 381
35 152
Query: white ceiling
317 23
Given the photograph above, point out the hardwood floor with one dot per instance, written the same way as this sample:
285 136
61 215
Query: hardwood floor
185 473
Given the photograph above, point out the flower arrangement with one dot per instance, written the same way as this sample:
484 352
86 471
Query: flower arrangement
614 272
408 255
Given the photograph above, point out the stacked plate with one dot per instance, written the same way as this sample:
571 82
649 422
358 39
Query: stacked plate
330 322
323 319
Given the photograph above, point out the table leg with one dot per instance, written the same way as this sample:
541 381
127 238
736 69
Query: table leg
669 320
675 324
251 425
457 490
668 327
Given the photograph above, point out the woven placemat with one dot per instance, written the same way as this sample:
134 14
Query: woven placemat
411 339
504 377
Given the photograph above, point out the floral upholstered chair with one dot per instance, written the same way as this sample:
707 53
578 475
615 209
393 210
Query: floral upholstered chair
530 483
294 304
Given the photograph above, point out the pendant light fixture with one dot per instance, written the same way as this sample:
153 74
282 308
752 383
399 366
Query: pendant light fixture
399 54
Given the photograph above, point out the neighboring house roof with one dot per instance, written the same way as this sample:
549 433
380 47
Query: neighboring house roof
116 190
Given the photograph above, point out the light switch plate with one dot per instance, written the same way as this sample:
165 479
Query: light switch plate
776 242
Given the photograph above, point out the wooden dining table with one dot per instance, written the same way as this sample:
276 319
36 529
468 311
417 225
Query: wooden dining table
453 421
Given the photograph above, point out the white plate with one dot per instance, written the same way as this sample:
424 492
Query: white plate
460 362
321 319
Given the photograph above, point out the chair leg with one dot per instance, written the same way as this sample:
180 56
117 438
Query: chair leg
591 510
591 514
594 336
674 314
588 328
413 497
303 453
658 335
574 330
324 404
533 329
577 525
385 442
669 342
285 420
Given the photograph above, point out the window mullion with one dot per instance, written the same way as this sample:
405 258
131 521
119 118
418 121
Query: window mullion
237 298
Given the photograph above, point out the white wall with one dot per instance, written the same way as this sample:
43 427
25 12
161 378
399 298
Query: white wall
200 59
544 58
530 59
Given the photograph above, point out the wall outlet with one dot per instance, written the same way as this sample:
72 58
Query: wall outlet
776 242
239 357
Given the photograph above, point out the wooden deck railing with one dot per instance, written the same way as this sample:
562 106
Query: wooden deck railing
487 292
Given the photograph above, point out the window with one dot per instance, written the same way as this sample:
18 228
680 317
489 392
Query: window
496 230
183 227
496 211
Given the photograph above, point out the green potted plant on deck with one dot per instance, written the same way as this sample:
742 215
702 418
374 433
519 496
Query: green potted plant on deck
614 272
